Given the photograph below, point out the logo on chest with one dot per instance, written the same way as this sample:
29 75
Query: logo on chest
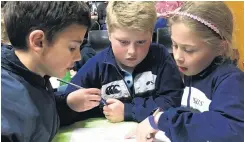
144 82
198 100
113 89
116 89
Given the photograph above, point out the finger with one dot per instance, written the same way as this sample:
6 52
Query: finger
131 134
105 113
110 118
94 104
107 117
111 101
150 140
148 136
95 91
141 138
106 108
94 98
152 135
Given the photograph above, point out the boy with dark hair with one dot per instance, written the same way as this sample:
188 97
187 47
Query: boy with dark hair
46 37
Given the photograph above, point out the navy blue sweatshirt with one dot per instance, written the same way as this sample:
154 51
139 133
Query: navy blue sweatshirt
212 107
157 82
29 111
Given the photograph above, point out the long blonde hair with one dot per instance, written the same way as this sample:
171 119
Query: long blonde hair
216 13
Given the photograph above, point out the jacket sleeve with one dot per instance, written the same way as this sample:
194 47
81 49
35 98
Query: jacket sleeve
17 123
169 89
86 77
86 52
7 132
66 114
224 122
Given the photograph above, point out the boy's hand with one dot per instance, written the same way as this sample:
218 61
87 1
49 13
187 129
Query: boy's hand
114 111
84 99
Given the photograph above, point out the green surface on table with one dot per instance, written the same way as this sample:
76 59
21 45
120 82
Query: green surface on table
64 133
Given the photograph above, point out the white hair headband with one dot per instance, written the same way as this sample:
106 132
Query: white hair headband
205 22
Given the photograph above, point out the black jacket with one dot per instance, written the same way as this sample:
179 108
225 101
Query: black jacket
29 111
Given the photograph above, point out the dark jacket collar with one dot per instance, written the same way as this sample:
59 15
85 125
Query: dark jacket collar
211 68
109 56
11 62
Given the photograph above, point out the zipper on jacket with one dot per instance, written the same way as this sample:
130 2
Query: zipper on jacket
55 120
189 94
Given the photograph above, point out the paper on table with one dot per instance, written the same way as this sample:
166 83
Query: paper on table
112 133
161 137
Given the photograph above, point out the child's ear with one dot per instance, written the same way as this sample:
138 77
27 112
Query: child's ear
36 40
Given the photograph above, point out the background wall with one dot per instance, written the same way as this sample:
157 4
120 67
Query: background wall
237 9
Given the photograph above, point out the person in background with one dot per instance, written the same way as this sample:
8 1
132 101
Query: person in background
45 39
162 7
134 75
212 108
4 35
101 13
86 52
